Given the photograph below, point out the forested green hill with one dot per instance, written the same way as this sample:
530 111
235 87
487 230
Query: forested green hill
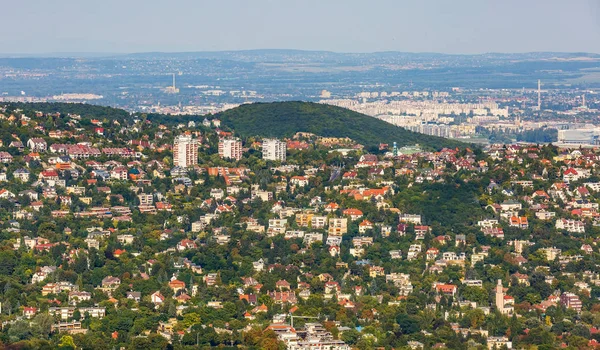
284 119
83 109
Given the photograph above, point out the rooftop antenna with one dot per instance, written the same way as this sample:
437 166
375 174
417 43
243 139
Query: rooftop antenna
172 89
539 95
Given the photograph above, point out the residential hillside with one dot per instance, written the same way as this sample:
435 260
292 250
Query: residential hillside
277 119
149 232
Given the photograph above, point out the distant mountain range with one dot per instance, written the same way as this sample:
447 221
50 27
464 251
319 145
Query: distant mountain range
251 55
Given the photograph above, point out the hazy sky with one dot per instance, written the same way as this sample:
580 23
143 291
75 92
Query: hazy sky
450 26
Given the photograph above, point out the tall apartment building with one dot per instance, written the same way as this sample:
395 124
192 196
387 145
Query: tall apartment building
571 301
185 151
338 226
146 199
230 148
273 149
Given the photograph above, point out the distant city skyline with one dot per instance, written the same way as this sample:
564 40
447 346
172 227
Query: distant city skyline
456 27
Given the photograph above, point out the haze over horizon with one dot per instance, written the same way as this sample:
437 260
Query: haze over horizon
464 27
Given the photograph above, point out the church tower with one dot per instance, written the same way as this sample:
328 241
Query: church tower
499 296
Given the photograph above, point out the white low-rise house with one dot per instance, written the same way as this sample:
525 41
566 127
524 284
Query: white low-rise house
157 298
299 180
312 237
37 144
452 256
21 174
386 230
477 257
41 275
198 226
125 239
277 226
66 313
410 218
572 174
415 345
583 286
92 243
5 157
362 241
96 312
568 225
395 254
6 194
258 265
357 252
584 204
265 196
551 253
38 277
413 251
334 241
498 343
294 234
488 223
545 215
217 193
473 283
400 280
594 186
222 238
76 296
510 205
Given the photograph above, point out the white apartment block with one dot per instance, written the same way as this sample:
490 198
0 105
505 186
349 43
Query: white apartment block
277 226
273 149
594 186
338 226
185 151
230 148
146 199
318 221
264 196
310 238
413 251
573 226
198 226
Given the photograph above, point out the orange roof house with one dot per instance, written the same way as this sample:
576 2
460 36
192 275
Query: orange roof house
355 214
119 252
448 289
177 285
